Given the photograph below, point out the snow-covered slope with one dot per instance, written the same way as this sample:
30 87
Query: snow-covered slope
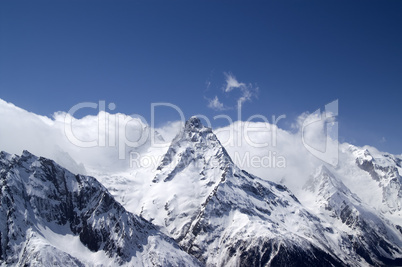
375 177
362 232
386 170
218 213
227 217
51 217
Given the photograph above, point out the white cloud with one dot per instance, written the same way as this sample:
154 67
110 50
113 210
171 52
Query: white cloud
261 151
208 84
260 148
246 96
232 83
43 136
248 91
20 129
215 104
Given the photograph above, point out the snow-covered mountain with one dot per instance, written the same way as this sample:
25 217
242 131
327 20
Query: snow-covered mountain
361 231
51 217
225 216
385 169
215 213
375 177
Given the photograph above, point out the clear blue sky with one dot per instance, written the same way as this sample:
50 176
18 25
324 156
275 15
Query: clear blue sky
300 54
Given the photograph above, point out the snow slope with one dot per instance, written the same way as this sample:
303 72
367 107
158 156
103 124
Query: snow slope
361 231
49 216
196 193
225 216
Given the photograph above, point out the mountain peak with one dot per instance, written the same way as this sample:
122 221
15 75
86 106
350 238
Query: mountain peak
26 154
193 123
195 131
195 146
40 199
324 182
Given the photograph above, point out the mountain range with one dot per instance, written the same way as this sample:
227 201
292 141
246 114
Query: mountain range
198 208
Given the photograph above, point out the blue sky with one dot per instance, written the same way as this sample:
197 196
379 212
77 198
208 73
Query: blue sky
300 55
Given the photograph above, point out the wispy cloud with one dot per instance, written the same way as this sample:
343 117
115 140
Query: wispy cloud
215 104
248 90
208 84
47 137
232 83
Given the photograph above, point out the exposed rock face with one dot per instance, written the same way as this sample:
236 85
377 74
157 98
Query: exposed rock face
384 170
225 216
43 206
219 214
363 233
